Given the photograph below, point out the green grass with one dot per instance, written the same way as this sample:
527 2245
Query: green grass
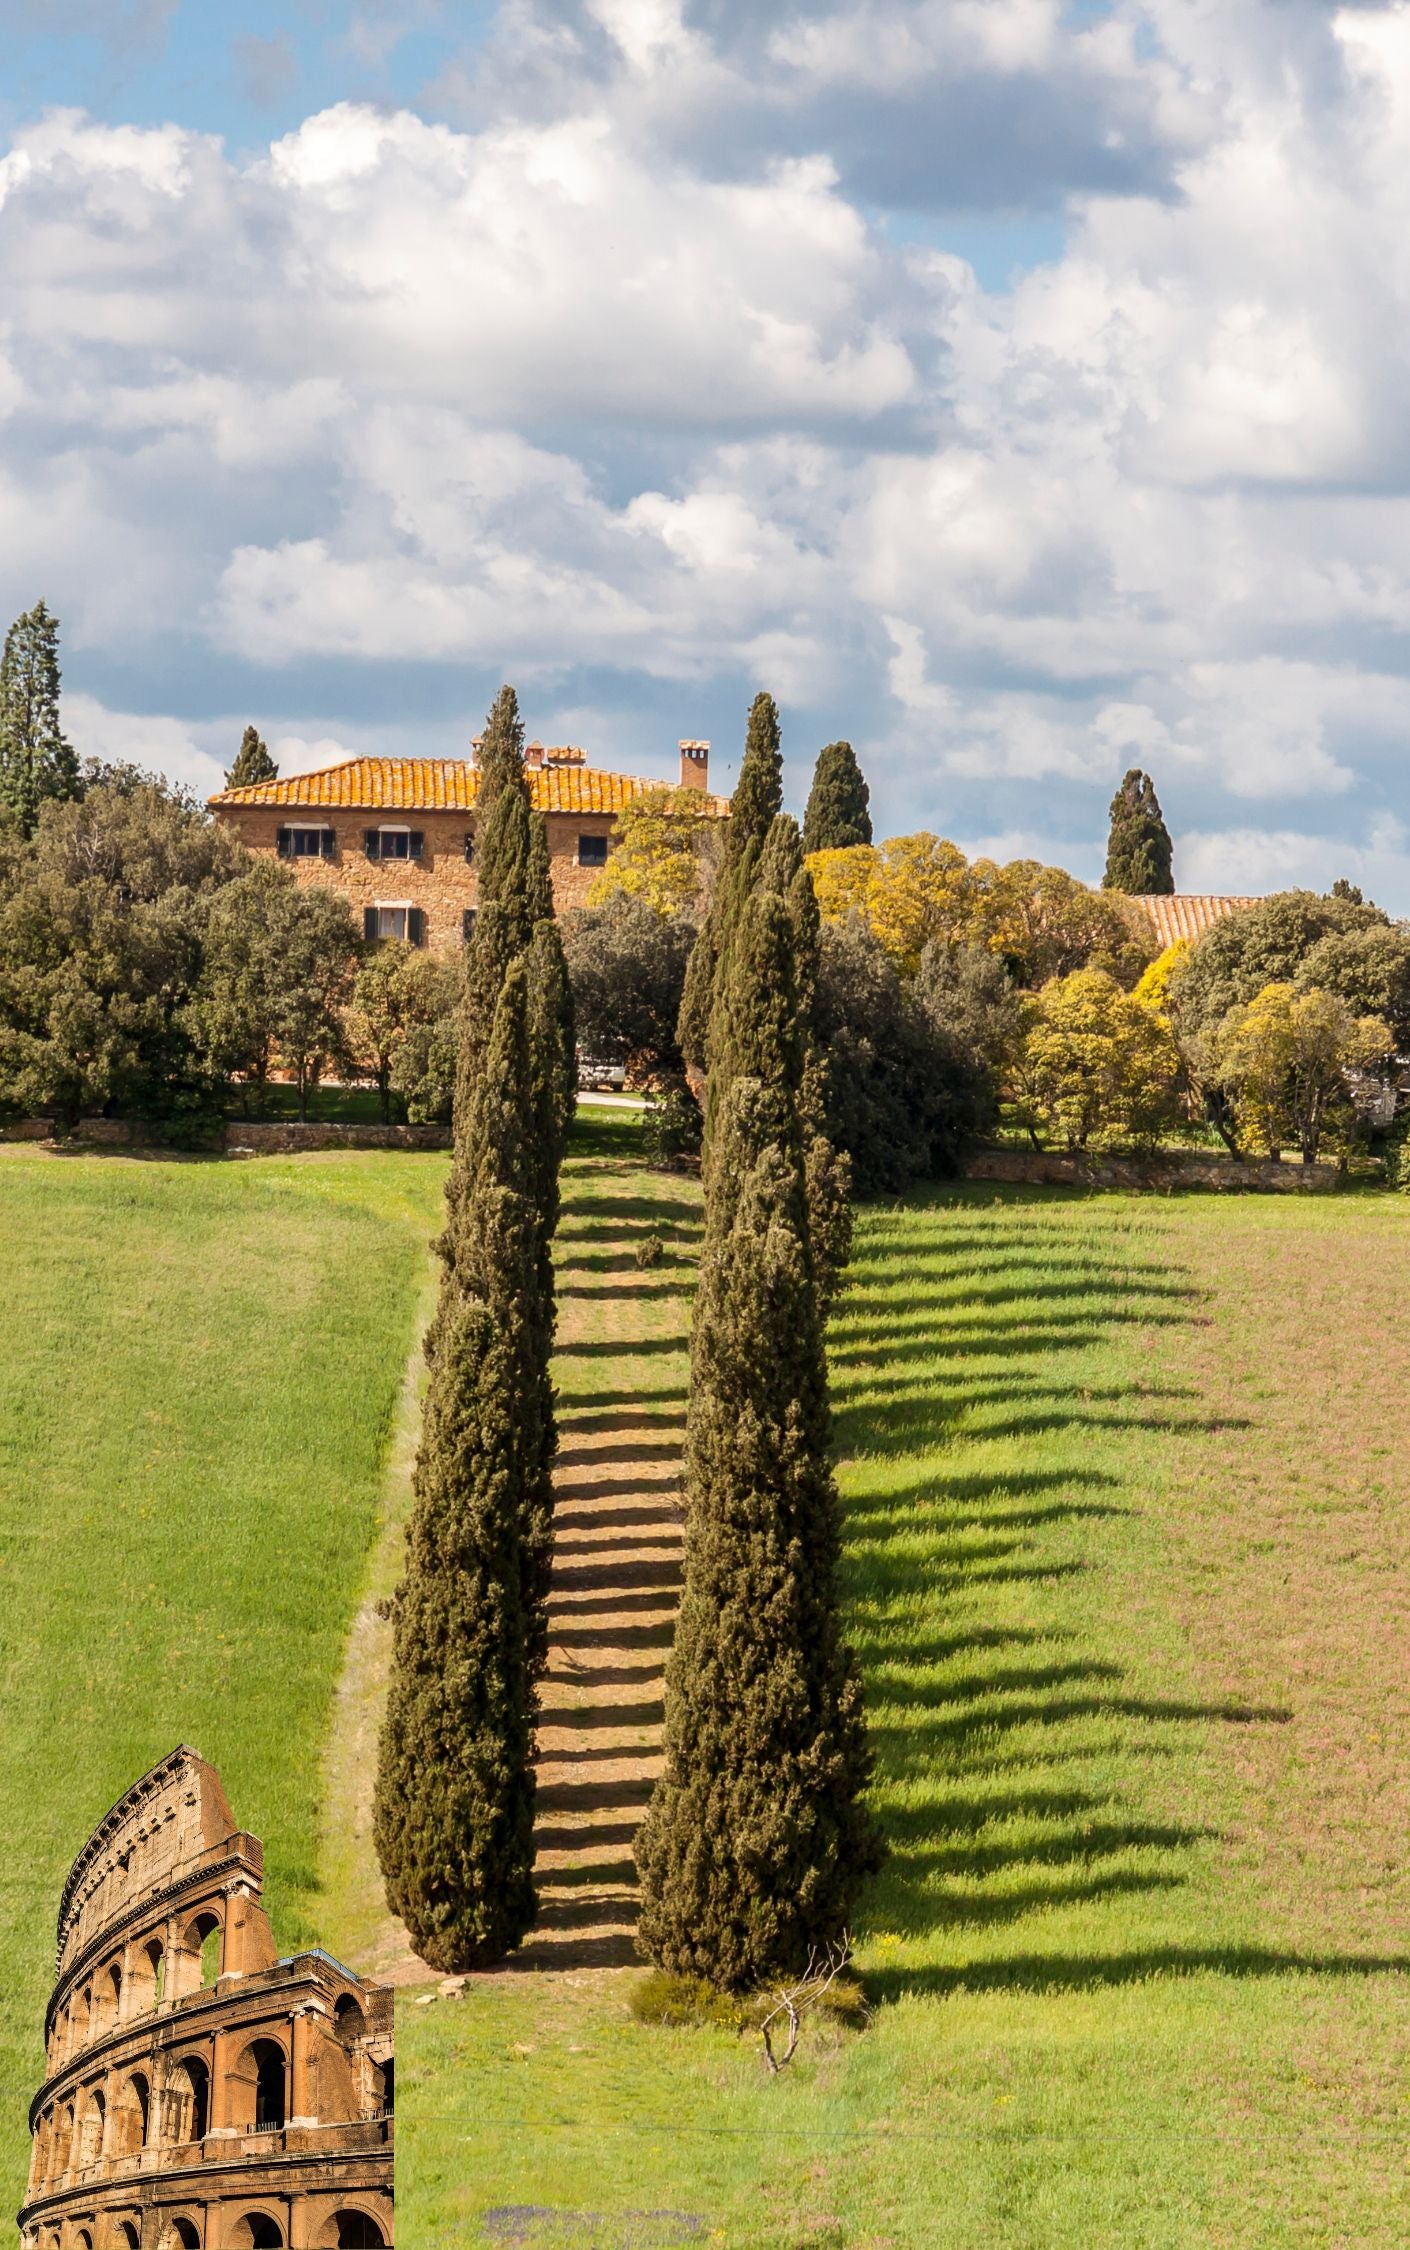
199 1364
1117 1472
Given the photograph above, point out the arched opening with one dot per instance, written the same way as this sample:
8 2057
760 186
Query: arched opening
201 1940
82 2239
255 2089
90 2132
186 2234
384 2085
348 2019
354 2230
192 2087
269 2083
259 2231
154 1957
113 1995
129 2235
63 2150
132 2116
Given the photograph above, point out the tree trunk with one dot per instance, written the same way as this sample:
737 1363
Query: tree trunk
384 1087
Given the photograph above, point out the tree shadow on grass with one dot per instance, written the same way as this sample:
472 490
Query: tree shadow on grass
1097 1972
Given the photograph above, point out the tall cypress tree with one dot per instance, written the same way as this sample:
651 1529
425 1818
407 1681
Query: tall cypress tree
1138 852
252 762
757 1839
839 801
757 798
455 1789
37 762
454 1804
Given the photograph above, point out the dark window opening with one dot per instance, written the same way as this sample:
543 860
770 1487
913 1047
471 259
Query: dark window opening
467 925
199 2080
269 2085
309 843
592 851
262 2232
357 2232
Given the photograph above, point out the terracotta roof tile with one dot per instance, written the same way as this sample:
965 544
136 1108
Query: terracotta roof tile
1187 914
444 785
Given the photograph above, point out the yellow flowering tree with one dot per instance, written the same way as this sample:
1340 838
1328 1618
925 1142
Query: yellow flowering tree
1041 921
658 853
1284 1059
1095 1062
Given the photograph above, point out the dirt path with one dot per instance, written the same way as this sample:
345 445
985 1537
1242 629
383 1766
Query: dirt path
616 1579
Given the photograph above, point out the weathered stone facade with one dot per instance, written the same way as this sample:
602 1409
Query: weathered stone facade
200 2092
396 835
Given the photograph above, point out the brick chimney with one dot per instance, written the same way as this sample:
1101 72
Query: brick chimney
695 765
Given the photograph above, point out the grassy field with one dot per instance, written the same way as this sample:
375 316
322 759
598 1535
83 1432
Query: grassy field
1128 1560
198 1367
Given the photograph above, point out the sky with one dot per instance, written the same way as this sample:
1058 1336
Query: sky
1017 389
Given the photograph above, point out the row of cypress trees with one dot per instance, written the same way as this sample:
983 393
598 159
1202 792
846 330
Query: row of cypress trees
454 1802
757 1837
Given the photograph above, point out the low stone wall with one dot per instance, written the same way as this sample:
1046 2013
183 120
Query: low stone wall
1019 1166
289 1139
286 1138
1042 1168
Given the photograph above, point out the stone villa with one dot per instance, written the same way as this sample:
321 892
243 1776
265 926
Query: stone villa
397 835
199 2091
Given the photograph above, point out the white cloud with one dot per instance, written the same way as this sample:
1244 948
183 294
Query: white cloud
544 397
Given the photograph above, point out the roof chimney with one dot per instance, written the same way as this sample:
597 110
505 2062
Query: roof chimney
695 765
533 755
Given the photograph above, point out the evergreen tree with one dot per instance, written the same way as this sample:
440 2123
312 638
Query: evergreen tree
756 1841
454 1805
1138 847
36 761
252 762
837 816
757 798
455 1786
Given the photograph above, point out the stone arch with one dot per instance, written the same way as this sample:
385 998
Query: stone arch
349 2018
63 2152
257 2229
92 2118
110 1990
132 2115
189 2098
198 1953
81 2238
258 2086
180 2231
147 1983
353 2227
124 2231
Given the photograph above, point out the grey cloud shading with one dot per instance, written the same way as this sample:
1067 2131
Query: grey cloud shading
265 69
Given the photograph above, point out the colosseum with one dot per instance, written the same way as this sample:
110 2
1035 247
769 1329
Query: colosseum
198 2090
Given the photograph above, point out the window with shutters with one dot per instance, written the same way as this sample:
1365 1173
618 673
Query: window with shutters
592 851
395 843
306 843
398 920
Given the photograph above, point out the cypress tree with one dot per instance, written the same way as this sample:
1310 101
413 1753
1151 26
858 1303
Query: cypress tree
756 1840
454 1804
37 762
252 762
757 798
455 1789
1138 852
837 815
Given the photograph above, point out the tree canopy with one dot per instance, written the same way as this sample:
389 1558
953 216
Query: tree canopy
252 762
1138 852
838 813
37 762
